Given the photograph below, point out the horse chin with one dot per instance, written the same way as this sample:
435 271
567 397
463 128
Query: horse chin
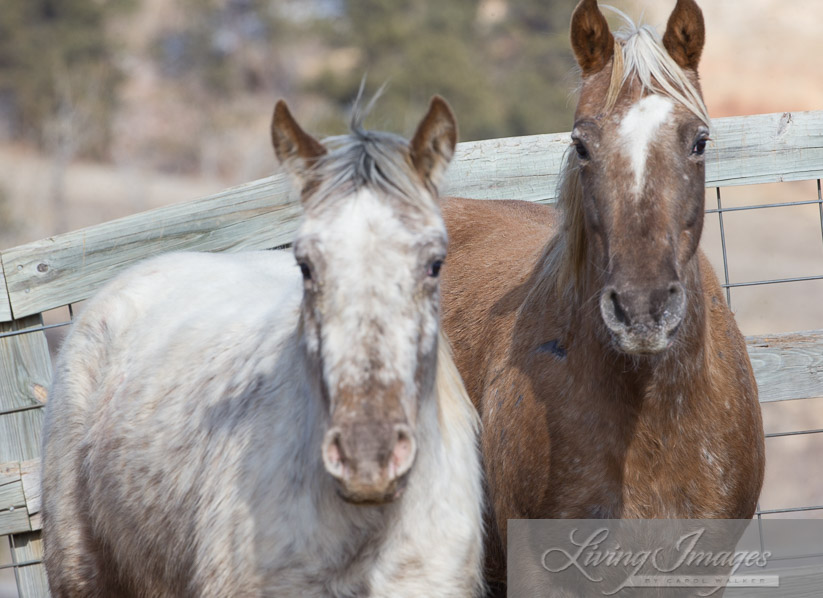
372 497
644 342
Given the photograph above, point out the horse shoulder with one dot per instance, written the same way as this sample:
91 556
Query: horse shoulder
128 361
736 404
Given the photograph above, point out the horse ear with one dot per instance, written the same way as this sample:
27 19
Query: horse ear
685 34
592 42
432 146
296 150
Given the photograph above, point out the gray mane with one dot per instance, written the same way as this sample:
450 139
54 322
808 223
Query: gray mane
368 159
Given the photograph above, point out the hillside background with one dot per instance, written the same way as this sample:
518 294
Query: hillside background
111 107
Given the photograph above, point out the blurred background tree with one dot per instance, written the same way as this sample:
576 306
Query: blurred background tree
59 76
59 81
500 64
186 88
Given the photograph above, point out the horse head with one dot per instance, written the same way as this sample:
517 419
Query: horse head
370 248
639 137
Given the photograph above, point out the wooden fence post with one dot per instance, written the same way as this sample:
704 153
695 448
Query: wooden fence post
25 372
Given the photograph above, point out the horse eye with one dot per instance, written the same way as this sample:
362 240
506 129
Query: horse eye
434 268
305 270
699 147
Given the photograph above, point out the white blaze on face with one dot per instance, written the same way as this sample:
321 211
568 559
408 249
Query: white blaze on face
372 271
640 124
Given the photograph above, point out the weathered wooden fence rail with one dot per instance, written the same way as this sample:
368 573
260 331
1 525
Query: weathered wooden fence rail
68 268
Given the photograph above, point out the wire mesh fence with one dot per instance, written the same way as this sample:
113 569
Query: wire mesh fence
720 210
731 286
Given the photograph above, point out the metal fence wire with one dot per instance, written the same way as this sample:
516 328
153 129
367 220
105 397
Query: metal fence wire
728 285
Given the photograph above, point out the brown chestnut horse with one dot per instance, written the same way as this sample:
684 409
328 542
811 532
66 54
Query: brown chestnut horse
594 339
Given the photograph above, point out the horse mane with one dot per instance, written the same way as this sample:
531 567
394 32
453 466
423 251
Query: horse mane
367 159
639 53
455 410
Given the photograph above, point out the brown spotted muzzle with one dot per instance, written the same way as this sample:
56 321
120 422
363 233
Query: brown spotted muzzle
370 460
642 320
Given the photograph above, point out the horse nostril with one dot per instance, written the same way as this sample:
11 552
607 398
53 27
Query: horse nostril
677 296
403 451
666 305
619 313
333 456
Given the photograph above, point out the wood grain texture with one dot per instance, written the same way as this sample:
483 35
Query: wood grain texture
20 497
24 363
797 582
5 304
765 148
14 521
14 517
70 267
788 366
11 495
25 368
9 473
30 477
31 580
525 168
745 150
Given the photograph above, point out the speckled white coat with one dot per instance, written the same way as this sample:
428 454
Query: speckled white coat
182 449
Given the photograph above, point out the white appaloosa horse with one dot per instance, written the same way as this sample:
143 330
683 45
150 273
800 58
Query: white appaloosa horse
219 427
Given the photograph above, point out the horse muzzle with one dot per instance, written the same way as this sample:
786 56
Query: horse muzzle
370 461
643 321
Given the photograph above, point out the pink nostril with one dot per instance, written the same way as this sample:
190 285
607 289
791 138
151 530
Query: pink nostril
361 465
333 457
403 452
